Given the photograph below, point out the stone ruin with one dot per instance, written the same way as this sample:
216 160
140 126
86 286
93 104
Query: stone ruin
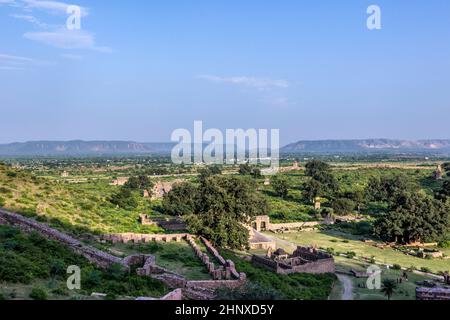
170 224
98 257
224 271
263 223
438 174
224 274
302 260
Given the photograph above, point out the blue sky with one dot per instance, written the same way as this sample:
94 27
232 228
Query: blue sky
137 70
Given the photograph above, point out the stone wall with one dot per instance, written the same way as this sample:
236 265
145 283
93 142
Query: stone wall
226 270
262 223
98 257
174 295
303 260
224 275
314 267
138 238
215 284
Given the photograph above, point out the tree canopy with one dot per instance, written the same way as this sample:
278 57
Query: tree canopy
388 187
322 182
140 182
217 208
414 217
280 185
343 206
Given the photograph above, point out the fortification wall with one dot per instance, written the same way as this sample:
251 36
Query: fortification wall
314 267
293 225
226 270
138 238
100 258
215 284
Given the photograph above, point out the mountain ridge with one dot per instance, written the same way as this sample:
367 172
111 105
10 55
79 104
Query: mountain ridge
120 147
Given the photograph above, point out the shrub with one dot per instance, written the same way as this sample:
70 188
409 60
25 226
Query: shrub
2 202
38 294
61 291
343 206
2 297
11 174
425 269
396 267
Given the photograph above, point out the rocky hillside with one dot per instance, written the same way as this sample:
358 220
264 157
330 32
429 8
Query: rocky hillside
74 148
368 146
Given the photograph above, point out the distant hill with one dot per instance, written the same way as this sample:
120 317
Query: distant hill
369 146
111 148
83 148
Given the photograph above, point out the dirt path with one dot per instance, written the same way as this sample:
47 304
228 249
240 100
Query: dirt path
348 286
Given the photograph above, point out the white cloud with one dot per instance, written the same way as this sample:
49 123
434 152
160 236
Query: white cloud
30 19
55 7
67 39
72 56
258 83
10 62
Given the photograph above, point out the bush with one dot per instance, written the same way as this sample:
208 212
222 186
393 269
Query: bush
61 291
38 294
343 206
2 202
396 267
12 174
444 244
2 297
425 269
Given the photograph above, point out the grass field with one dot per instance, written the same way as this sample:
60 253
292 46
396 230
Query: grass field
343 242
405 290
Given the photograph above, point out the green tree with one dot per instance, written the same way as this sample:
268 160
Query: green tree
343 206
256 173
414 217
313 189
316 167
388 187
140 182
125 198
280 185
322 183
218 208
388 287
245 169
181 200
444 193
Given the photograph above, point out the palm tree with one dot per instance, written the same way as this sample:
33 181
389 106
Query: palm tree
388 287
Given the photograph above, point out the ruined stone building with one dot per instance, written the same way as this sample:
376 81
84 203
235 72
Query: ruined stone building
161 188
302 260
